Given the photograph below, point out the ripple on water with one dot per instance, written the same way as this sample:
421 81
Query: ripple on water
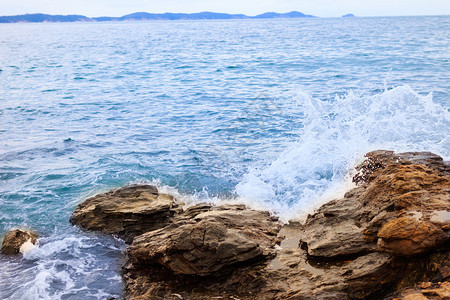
235 109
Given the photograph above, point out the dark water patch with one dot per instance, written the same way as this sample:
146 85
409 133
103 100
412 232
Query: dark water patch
234 67
150 153
30 154
9 175
100 144
54 177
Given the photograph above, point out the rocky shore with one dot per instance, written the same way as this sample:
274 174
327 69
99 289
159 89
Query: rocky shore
387 238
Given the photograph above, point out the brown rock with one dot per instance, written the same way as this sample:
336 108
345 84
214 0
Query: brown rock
443 291
202 248
413 185
425 285
437 291
126 212
415 296
209 242
380 241
336 230
407 236
15 240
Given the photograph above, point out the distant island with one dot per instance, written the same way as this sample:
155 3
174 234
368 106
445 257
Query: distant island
348 16
141 16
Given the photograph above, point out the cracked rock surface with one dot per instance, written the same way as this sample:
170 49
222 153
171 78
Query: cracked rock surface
387 238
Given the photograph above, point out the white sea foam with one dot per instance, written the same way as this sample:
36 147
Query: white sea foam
63 267
336 135
318 167
27 246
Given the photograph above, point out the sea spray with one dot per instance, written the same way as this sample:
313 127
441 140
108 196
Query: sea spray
89 107
64 267
336 135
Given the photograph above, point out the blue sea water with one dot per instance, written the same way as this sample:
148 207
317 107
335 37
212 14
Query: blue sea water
271 113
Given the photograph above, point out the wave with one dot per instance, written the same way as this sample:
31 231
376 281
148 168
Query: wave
335 137
70 267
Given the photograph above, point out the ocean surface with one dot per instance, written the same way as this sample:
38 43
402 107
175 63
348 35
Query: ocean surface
271 113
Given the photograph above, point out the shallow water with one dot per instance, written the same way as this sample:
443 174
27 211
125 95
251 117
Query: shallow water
272 113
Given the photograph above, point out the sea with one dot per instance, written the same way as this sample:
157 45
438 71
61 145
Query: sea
272 113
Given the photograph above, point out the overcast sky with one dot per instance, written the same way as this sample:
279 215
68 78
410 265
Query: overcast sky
321 8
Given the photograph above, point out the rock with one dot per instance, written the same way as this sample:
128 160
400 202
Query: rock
201 248
336 230
437 291
387 238
415 296
18 241
380 159
408 190
208 242
126 212
442 291
407 236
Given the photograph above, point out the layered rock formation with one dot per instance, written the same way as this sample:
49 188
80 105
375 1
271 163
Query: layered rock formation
386 238
126 212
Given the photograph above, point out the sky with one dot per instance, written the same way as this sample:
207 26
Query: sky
320 8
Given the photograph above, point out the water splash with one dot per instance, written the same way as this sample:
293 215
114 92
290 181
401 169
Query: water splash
64 268
336 135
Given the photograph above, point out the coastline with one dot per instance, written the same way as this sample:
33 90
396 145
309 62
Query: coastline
387 238
144 16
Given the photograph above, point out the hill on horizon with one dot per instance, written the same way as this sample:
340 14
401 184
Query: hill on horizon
138 16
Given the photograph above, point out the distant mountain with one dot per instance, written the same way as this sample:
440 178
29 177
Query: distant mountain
348 16
138 16
180 16
273 15
105 19
44 18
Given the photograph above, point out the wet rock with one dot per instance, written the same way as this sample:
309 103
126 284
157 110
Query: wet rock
126 212
336 230
379 159
408 195
202 248
210 241
18 241
384 239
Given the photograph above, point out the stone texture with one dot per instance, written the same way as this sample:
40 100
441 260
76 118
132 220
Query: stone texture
407 236
415 296
208 242
387 238
126 212
336 229
394 190
427 290
15 241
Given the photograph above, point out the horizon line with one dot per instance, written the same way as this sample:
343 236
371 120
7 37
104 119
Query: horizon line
212 12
